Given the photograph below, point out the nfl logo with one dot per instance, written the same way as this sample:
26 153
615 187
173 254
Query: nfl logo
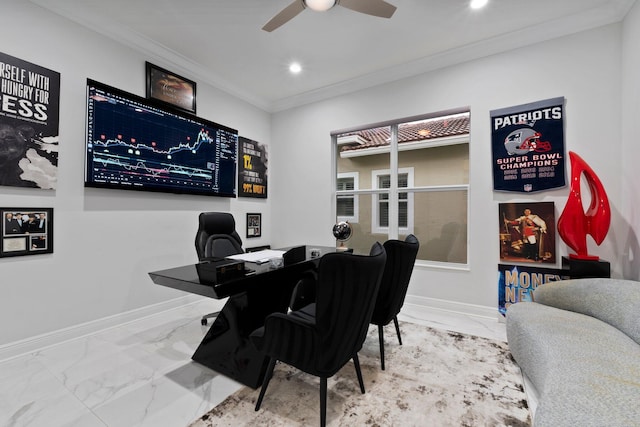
528 187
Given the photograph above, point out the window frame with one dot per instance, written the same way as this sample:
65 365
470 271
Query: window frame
375 200
353 193
393 149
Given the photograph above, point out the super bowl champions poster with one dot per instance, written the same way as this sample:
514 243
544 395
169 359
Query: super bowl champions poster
527 143
29 120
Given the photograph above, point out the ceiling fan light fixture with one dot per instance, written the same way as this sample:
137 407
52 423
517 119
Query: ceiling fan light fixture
319 5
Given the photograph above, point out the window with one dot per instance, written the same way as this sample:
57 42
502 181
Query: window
380 208
407 177
347 203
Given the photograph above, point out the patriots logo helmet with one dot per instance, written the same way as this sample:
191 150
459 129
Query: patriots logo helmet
524 140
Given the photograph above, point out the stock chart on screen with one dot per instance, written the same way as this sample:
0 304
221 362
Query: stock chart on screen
134 144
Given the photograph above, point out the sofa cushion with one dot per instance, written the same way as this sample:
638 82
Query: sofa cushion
616 302
587 372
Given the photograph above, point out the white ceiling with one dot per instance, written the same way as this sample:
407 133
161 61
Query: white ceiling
221 41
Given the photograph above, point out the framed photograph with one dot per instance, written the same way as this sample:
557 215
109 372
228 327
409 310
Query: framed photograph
26 231
171 89
254 225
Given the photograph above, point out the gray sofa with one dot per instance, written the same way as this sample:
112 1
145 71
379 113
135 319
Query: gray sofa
579 346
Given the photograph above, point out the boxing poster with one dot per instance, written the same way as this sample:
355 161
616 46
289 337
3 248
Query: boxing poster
527 143
252 170
516 283
29 120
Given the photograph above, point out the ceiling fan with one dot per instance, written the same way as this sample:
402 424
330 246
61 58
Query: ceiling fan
371 7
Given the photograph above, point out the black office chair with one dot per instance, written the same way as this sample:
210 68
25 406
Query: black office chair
321 338
216 238
401 257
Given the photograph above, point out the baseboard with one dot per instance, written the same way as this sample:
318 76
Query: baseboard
422 303
29 345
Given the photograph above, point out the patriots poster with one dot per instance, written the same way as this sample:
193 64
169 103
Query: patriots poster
527 143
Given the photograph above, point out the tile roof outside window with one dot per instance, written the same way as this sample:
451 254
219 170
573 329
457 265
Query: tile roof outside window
411 132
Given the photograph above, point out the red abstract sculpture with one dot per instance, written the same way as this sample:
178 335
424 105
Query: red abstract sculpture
574 224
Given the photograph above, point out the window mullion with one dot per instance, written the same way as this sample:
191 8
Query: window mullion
334 178
393 190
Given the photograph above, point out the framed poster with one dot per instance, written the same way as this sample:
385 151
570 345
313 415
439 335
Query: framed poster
26 231
254 225
29 124
527 232
527 143
170 88
252 168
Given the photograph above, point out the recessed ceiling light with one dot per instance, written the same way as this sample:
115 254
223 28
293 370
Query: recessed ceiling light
295 68
477 4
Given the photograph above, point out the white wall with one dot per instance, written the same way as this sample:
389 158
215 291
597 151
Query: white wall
105 240
630 147
585 68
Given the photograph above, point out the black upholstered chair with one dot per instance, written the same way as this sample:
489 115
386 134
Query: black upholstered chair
216 238
322 337
401 256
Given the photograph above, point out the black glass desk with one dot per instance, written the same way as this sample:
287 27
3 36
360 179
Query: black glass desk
264 290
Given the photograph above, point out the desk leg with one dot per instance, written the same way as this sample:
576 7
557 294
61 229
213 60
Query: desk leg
226 347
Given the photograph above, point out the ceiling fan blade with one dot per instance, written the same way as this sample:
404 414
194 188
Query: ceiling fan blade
371 7
284 16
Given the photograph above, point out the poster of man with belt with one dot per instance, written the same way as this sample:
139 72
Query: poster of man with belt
527 232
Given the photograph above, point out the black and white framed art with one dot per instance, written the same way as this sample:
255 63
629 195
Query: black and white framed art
26 231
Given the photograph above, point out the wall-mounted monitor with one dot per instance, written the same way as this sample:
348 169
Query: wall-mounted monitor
134 144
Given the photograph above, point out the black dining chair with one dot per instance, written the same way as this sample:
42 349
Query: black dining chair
323 336
401 257
216 238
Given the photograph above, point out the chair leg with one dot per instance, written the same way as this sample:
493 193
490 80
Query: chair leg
356 363
395 321
323 401
265 383
381 339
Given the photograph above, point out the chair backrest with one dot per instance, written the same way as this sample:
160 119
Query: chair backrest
346 293
401 257
217 236
294 255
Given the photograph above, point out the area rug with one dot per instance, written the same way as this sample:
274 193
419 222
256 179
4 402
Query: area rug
436 378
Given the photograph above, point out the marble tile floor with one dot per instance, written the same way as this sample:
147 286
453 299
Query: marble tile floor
141 373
